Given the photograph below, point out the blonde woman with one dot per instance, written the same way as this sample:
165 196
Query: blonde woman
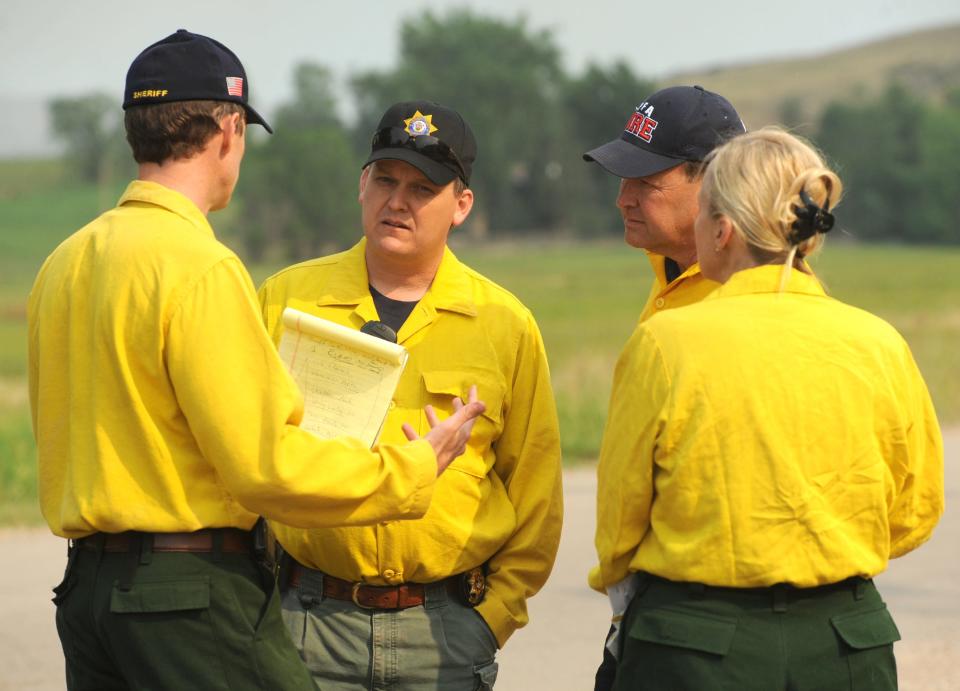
767 451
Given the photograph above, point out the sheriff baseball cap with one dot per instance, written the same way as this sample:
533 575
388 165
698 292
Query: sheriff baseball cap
432 138
188 67
676 124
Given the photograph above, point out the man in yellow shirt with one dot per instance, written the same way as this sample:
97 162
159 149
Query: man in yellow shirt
425 604
658 158
165 421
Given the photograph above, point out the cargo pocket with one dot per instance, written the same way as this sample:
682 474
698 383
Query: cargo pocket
61 590
708 634
486 675
675 647
869 638
172 596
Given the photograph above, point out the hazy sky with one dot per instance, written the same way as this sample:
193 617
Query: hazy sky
70 47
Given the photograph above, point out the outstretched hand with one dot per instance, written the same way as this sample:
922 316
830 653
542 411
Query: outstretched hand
449 437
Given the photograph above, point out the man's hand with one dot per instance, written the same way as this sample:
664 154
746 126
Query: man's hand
449 438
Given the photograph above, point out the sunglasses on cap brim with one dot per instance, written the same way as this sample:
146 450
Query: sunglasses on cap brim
431 147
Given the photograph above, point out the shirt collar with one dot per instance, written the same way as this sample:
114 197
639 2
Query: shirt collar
450 289
658 263
147 192
766 279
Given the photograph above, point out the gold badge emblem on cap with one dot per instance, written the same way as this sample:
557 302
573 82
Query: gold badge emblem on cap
419 123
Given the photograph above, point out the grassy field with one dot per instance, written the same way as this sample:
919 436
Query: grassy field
586 299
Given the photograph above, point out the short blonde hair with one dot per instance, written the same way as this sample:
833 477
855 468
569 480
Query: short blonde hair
755 180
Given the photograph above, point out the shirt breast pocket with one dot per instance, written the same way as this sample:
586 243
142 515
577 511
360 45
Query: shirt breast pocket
441 386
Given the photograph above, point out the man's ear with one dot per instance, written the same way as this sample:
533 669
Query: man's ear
231 130
464 205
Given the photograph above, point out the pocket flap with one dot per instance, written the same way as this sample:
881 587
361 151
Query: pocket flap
708 634
171 596
862 630
457 383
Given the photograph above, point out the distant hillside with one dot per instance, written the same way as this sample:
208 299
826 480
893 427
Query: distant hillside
927 62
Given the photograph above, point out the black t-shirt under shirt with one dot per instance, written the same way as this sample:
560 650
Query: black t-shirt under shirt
671 269
392 312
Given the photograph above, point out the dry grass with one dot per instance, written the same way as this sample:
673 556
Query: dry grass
927 61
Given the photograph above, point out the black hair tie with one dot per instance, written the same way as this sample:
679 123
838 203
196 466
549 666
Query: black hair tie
811 219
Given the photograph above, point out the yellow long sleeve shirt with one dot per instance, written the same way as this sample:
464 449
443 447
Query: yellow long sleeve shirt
757 438
500 503
689 287
159 402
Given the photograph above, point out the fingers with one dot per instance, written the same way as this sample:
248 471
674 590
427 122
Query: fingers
471 397
468 412
408 432
431 416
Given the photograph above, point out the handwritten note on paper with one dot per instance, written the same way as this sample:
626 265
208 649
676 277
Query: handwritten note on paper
348 378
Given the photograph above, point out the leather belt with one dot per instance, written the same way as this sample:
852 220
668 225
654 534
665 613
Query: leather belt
374 596
232 540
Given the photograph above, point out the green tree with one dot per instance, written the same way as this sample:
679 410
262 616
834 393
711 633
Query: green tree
88 126
897 156
597 105
299 186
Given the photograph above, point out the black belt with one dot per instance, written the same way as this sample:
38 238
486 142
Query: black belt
208 540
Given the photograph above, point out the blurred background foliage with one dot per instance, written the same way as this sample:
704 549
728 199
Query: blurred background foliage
896 143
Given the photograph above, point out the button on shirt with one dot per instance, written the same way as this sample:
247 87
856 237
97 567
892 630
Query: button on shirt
500 503
159 402
689 287
760 438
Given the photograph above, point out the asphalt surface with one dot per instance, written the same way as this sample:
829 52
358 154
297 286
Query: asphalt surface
560 648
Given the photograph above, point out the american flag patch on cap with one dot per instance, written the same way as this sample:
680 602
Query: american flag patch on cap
235 86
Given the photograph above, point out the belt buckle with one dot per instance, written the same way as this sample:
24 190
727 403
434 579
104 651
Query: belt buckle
473 586
353 596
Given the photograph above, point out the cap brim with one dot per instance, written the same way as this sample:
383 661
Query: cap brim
628 161
436 172
254 118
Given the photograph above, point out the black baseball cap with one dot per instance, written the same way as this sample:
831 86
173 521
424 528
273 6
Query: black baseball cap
676 124
188 67
434 139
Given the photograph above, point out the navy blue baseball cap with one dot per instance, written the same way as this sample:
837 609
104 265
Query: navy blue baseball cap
188 67
676 124
434 139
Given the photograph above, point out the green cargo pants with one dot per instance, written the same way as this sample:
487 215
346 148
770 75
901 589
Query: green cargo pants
144 620
684 636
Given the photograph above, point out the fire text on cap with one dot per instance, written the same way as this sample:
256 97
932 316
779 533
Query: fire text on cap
641 124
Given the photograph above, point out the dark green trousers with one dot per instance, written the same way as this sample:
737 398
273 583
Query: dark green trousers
682 636
177 621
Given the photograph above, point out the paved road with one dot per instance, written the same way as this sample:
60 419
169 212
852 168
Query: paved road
559 650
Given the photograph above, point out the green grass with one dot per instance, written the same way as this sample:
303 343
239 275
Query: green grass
18 471
587 299
20 177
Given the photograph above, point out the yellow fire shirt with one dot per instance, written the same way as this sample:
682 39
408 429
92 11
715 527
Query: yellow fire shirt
500 503
159 402
688 288
757 438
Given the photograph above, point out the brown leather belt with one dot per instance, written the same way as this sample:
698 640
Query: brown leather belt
233 540
373 596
